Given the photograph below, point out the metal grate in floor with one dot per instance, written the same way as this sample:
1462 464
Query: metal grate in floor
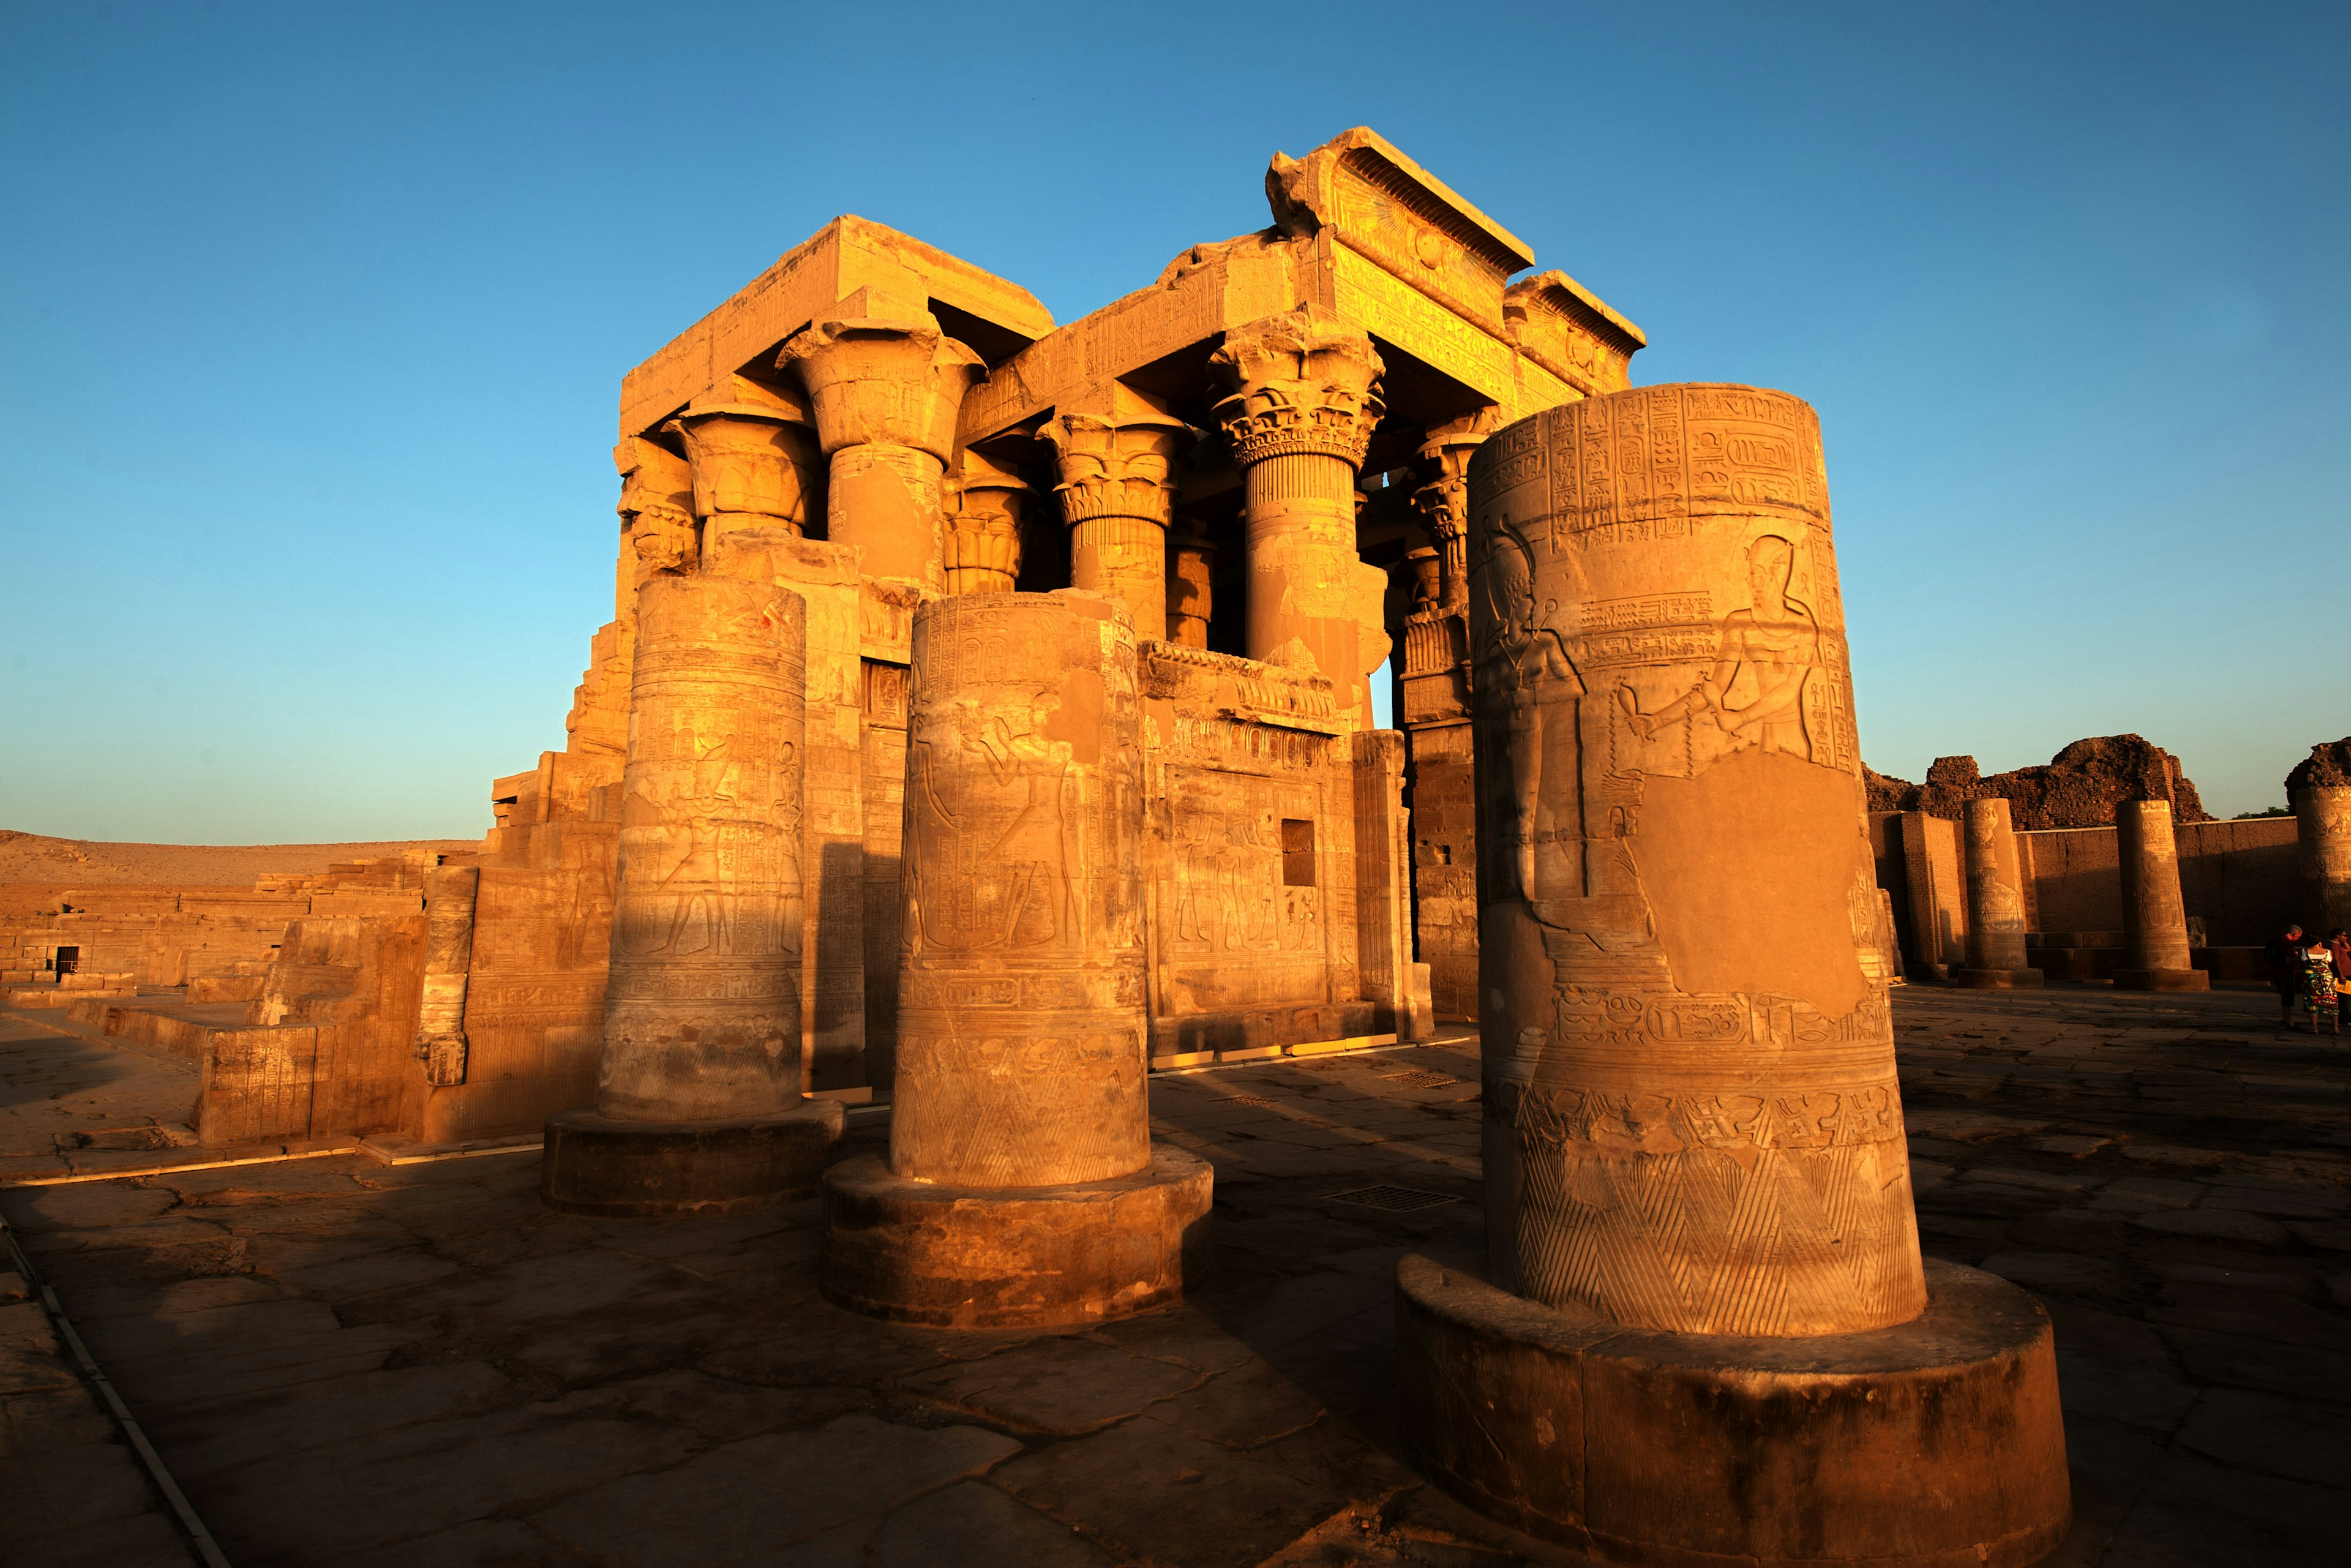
1419 1078
1247 1099
1392 1199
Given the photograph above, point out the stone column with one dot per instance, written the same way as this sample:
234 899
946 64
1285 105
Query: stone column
2154 918
887 391
2319 790
1995 921
983 526
1191 587
1300 417
1444 502
1022 1187
754 467
698 1095
449 895
1702 1262
1118 494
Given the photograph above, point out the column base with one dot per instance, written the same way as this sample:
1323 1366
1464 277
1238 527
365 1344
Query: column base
1997 980
975 1258
2162 980
1935 1444
595 1166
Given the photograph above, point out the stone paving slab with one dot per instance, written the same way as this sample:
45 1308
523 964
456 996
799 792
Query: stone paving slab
347 1362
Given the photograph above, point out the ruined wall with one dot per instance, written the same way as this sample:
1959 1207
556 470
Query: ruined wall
2239 878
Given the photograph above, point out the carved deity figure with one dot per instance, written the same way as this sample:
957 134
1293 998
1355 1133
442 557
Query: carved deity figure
1526 653
1755 691
994 872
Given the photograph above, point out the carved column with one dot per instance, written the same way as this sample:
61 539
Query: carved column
753 465
1022 1186
1303 403
1191 586
698 1095
1996 920
1118 494
1444 502
983 526
1700 1239
449 895
2155 956
886 392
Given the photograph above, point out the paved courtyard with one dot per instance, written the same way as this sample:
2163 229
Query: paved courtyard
344 1362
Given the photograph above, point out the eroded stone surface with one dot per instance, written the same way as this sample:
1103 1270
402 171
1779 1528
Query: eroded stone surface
697 1335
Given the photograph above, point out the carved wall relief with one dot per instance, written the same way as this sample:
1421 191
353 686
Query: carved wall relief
1692 1120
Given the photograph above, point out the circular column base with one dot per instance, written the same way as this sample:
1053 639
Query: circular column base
1937 1444
995 1258
2162 980
593 1165
1997 980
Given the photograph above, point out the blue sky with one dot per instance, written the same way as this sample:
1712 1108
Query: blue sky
315 317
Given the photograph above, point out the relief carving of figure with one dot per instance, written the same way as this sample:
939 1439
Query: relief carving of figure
1514 674
1755 692
992 869
699 886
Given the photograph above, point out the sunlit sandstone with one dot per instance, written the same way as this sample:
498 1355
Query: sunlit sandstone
1702 1330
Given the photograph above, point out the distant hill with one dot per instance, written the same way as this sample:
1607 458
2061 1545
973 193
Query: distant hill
34 858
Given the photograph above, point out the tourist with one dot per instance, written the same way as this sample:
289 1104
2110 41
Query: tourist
2284 957
2338 944
2318 989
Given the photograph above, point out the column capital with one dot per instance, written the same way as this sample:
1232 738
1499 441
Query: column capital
984 501
656 505
1302 381
893 381
750 451
1114 467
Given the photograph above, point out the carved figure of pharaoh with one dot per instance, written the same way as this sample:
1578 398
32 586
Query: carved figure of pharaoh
1692 1123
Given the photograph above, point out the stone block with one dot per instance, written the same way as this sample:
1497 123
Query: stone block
594 1164
973 1257
1714 1450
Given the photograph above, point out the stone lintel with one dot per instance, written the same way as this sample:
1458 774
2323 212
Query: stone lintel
1246 691
846 255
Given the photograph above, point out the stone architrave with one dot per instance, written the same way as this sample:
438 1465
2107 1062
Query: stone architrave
1022 1186
2156 955
983 526
1118 495
1191 586
1702 1330
699 1105
449 897
885 389
1996 920
1300 417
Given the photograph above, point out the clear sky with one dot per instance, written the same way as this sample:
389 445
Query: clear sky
312 322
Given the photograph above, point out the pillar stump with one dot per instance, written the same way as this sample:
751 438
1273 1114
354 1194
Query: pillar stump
1022 1188
1700 1331
2155 956
2319 790
698 1106
1995 945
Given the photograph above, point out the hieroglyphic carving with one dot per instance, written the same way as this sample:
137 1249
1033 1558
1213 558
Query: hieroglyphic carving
703 1008
1020 1038
1693 1118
